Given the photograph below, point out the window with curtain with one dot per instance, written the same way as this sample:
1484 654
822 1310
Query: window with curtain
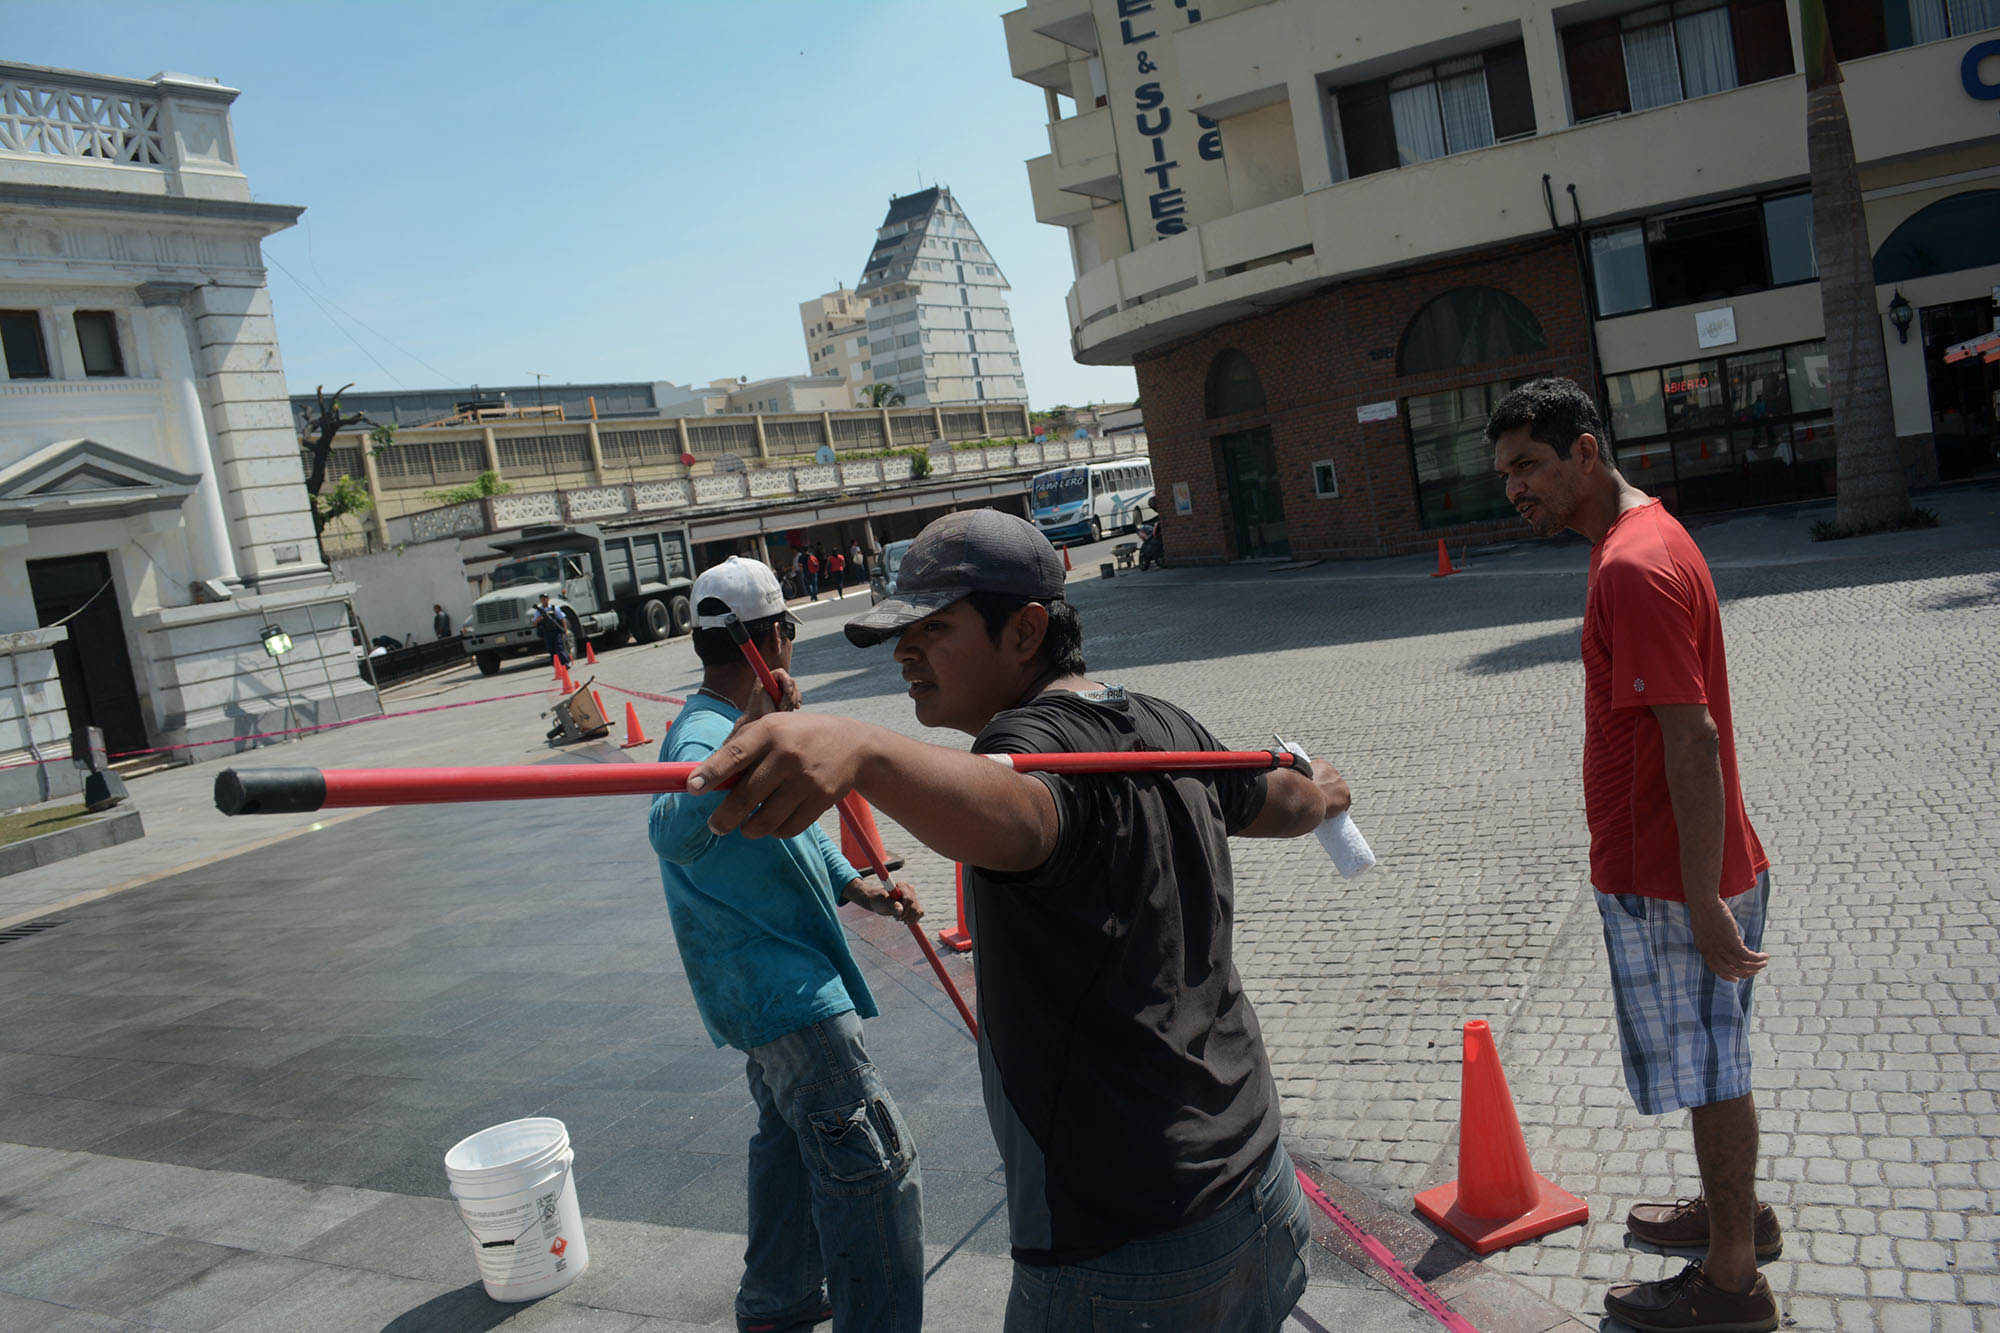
1707 254
1666 53
1453 106
1870 27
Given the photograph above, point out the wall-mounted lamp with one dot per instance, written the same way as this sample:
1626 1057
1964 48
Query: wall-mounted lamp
1900 314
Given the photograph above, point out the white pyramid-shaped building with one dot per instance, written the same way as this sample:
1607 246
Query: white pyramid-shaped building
938 326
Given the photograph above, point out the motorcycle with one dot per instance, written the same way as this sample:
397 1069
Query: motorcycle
1152 546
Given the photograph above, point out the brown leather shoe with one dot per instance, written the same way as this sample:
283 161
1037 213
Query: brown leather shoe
1684 1226
1690 1303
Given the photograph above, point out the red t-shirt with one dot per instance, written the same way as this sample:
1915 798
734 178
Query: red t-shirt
838 563
812 564
1652 634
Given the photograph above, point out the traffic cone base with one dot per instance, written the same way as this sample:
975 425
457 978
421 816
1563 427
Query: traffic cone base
1497 1200
958 939
1555 1208
634 733
589 653
1445 568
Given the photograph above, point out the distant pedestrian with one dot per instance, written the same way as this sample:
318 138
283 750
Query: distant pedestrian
1682 882
812 575
440 621
857 563
547 618
835 1207
839 570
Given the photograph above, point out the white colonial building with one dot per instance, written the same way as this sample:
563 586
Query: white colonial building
153 524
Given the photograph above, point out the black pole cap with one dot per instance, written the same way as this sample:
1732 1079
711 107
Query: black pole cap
270 791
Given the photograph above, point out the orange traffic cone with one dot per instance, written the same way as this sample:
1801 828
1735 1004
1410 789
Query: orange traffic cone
1445 567
598 699
562 678
555 668
859 855
634 733
958 940
1497 1200
589 653
1066 564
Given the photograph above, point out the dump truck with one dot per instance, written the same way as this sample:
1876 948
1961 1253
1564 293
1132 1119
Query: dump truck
632 583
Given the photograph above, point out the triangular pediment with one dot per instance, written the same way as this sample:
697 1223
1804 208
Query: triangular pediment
86 467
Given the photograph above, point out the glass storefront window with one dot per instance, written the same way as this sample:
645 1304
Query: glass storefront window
1757 387
1806 369
1646 464
1456 482
1788 236
1636 405
1694 396
1618 263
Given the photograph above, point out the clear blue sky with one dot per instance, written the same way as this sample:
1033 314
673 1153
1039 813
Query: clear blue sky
598 191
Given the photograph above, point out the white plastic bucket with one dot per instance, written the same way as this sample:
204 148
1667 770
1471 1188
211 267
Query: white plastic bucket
517 1197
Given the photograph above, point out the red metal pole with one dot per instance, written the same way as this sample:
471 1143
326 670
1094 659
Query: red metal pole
859 831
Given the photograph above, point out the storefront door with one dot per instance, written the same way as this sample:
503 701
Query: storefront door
1256 499
95 669
1963 395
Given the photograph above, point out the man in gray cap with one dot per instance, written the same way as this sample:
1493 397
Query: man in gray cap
1125 1075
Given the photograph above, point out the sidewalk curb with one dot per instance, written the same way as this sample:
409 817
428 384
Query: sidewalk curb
106 830
1489 1299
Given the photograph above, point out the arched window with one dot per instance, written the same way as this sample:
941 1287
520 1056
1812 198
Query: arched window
1960 232
1233 385
1467 327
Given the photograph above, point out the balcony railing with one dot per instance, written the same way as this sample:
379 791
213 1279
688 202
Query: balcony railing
77 122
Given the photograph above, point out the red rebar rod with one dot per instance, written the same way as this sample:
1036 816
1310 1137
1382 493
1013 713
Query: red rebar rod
864 837
272 791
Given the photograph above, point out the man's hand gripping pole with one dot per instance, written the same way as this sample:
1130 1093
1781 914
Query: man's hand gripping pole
878 859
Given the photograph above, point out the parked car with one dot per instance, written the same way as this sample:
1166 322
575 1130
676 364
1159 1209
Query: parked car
882 578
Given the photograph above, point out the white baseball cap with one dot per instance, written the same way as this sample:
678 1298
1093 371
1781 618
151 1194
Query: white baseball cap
746 589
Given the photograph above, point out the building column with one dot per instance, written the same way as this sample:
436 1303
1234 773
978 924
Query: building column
210 544
681 429
596 450
66 351
763 445
826 424
937 423
375 513
492 445
985 424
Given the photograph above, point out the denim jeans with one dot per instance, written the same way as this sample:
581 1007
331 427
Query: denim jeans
1241 1269
835 1194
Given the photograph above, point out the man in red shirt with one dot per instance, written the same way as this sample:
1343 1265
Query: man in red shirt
838 563
1681 879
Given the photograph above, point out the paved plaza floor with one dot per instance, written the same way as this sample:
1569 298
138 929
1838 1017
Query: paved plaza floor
227 1084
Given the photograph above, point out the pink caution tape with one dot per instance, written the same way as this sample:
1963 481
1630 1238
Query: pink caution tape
1432 1303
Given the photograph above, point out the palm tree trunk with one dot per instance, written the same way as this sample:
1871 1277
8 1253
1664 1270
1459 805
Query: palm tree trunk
1868 461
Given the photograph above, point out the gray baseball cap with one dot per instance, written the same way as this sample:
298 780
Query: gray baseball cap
973 550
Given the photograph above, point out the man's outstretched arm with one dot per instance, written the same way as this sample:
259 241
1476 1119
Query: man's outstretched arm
790 768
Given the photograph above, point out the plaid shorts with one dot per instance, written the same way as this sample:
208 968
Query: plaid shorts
1683 1030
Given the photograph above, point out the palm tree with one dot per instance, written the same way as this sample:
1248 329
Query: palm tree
884 395
1868 462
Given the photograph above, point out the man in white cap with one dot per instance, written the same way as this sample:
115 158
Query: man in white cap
836 1219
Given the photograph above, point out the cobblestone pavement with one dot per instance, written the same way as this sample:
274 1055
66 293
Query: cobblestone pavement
1864 680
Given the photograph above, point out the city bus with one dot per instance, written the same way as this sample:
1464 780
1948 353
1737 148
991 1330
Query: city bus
1090 500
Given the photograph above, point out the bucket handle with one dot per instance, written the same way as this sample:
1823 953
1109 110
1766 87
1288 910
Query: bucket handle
533 1222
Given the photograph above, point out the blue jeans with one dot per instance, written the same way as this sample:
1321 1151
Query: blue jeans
1241 1269
835 1193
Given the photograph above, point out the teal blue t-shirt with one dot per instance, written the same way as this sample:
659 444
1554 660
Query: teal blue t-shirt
756 918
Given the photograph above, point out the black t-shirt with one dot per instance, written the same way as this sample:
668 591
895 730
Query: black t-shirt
1124 1072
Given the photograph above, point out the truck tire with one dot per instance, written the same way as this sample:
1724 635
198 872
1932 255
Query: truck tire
488 662
650 621
680 612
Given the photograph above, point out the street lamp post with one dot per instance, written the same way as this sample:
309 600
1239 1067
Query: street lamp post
538 374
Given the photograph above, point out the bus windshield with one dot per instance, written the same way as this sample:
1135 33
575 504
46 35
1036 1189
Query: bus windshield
540 569
1055 488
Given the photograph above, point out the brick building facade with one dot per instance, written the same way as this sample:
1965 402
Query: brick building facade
1320 362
